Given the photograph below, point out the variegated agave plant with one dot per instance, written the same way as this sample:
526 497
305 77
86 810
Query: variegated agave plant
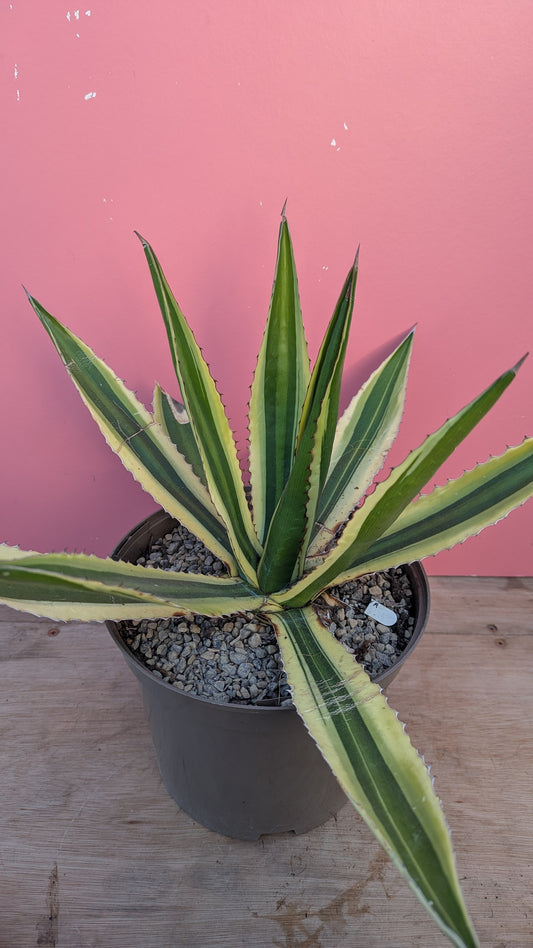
305 530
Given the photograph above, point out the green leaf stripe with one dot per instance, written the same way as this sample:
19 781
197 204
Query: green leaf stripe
375 763
286 536
364 434
454 512
392 496
407 480
137 440
325 384
291 525
210 424
67 586
278 390
173 419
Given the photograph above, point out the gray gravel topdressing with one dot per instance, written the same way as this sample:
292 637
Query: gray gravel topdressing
236 659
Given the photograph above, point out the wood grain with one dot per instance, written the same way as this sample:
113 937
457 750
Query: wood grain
94 853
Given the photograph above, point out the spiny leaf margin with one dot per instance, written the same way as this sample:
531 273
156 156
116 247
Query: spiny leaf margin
278 390
133 435
372 757
78 586
211 427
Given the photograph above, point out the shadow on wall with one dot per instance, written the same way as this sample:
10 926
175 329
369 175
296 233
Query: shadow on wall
358 374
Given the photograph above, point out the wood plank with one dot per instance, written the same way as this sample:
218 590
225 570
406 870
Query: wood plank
481 604
93 852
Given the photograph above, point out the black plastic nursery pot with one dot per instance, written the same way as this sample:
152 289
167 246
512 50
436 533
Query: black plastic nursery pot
241 770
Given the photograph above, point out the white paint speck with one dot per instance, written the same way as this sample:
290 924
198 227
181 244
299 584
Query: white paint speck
345 127
18 95
325 268
90 95
87 13
68 15
16 71
77 14
333 143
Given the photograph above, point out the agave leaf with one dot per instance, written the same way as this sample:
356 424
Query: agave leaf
454 512
76 586
377 767
173 419
364 435
210 425
278 390
132 433
290 528
391 497
325 385
286 540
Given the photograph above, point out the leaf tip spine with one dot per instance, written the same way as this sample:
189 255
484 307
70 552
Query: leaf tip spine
144 242
520 363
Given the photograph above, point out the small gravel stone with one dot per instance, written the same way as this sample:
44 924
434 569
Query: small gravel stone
237 658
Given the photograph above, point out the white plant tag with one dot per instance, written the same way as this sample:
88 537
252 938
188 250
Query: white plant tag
381 613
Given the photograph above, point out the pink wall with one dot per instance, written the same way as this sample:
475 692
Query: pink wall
403 126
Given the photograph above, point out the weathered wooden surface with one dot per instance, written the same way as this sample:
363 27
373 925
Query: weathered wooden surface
94 853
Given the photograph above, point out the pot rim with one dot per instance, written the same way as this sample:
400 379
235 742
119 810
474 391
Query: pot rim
151 526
